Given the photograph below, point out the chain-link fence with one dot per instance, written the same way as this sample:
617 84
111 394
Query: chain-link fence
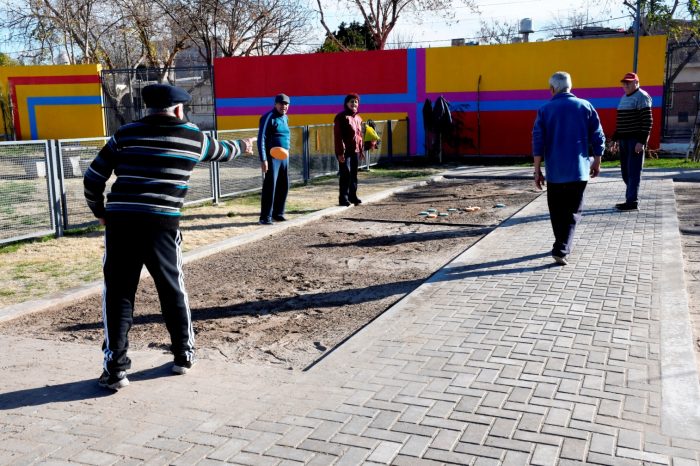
27 201
41 182
76 155
122 94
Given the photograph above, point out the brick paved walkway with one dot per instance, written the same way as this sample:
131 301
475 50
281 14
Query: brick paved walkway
501 358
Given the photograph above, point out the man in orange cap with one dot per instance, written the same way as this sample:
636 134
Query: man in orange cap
631 136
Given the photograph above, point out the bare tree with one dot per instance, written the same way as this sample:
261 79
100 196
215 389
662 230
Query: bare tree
240 27
383 15
562 24
498 31
400 41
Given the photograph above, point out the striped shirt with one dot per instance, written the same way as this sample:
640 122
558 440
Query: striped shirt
634 117
152 160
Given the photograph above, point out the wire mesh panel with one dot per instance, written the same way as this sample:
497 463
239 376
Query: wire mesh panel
242 174
201 185
399 138
76 155
373 156
322 159
122 92
296 154
682 91
25 200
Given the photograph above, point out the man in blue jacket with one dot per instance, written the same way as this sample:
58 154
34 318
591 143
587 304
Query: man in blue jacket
567 129
273 147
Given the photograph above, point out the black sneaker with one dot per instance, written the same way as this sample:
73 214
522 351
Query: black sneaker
182 367
561 260
357 201
626 206
279 218
344 203
265 221
113 381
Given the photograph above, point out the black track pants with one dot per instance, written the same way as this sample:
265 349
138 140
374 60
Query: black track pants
127 249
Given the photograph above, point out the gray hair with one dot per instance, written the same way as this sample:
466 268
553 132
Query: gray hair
560 82
170 110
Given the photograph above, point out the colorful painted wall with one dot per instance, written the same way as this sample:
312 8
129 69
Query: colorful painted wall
494 91
54 102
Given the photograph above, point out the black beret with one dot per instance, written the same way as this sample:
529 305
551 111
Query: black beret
163 96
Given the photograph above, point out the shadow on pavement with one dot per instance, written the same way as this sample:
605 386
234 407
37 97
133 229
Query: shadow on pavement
72 391
485 269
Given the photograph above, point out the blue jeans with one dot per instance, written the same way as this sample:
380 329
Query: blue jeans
565 202
631 165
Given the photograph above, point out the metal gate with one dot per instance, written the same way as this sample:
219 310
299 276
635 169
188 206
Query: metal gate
122 94
681 90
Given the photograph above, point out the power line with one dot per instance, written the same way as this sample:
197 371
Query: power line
589 23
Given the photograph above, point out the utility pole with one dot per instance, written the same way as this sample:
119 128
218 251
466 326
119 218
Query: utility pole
637 22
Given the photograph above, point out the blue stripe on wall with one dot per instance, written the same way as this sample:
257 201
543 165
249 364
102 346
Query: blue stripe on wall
33 102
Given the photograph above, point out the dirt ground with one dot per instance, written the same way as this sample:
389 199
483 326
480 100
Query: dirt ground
289 298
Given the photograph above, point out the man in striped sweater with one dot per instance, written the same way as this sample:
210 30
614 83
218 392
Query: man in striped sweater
631 135
152 160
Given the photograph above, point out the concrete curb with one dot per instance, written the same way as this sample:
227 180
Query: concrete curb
680 401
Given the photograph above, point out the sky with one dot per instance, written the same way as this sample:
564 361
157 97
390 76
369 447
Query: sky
433 32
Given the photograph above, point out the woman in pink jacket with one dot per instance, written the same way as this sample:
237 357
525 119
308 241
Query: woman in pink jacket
347 132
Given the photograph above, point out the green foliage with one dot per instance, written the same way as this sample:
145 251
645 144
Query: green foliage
6 60
354 36
660 17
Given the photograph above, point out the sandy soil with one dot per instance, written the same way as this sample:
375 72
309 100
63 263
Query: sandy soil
288 299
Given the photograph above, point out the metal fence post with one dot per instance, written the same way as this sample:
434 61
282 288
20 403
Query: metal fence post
54 175
390 144
305 154
215 176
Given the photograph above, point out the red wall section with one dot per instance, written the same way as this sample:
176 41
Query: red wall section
509 133
502 133
376 72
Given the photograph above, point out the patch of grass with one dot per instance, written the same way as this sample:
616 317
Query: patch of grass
399 173
7 293
10 248
82 231
658 163
14 247
294 208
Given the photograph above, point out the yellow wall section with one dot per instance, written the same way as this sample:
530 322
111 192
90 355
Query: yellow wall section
61 121
591 63
66 121
90 124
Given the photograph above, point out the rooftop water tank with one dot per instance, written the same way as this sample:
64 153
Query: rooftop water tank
526 26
